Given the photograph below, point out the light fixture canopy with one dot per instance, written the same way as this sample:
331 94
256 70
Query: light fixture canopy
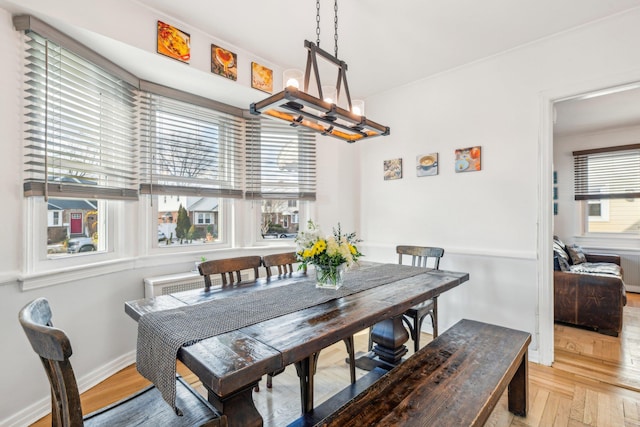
299 108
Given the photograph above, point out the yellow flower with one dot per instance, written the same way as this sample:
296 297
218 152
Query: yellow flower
307 253
352 249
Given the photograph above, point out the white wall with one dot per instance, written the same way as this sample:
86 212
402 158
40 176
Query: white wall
487 221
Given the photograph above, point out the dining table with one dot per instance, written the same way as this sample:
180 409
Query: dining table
231 336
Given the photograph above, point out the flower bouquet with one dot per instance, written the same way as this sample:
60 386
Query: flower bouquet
331 255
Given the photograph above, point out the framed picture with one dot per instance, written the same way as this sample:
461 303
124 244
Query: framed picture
427 164
261 77
224 62
173 42
468 159
392 169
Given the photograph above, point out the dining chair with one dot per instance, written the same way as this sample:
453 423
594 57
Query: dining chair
146 407
229 269
283 262
413 317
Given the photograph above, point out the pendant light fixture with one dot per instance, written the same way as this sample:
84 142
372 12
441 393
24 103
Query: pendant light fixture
322 113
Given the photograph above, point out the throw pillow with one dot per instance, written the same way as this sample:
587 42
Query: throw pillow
576 254
560 251
564 264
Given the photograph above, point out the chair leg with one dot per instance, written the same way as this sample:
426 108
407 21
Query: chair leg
434 317
348 342
418 329
269 380
257 387
370 346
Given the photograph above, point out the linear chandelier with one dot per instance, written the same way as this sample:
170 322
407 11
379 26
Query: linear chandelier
321 114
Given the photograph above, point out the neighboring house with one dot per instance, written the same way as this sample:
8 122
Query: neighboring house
68 218
203 213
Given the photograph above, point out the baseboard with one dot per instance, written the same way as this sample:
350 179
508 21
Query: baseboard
42 407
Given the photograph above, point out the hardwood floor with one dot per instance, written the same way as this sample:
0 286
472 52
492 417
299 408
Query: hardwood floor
595 381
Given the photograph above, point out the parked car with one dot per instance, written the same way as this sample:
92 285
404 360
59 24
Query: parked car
80 244
281 235
161 236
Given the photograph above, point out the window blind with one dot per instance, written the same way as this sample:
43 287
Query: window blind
80 126
189 149
607 173
280 161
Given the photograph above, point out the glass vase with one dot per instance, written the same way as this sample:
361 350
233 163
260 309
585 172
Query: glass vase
330 276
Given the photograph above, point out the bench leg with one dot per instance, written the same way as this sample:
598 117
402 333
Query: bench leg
519 389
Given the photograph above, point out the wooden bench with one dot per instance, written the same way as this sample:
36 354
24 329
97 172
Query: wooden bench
456 380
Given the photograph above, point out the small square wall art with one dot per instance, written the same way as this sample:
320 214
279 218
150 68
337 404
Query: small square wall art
173 42
224 62
468 159
261 77
427 164
392 169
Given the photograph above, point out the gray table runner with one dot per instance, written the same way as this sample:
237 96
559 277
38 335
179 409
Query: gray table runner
162 333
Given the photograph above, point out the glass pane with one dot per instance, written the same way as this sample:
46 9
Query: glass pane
279 219
186 220
73 226
614 216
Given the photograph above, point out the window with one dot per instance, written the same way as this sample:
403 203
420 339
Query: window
191 155
188 221
607 181
79 145
281 172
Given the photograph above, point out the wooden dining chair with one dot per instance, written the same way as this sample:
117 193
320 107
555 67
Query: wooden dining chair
421 256
283 262
229 269
146 407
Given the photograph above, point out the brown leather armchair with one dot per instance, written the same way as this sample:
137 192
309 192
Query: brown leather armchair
588 300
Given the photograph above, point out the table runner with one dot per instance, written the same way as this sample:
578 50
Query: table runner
162 333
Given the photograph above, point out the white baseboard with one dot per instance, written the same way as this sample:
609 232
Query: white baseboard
42 407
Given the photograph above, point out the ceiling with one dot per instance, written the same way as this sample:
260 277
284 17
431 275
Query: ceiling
385 44
607 109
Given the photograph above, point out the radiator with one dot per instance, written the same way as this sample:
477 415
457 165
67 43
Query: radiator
163 285
630 262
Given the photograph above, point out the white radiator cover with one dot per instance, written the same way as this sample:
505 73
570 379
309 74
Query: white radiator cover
163 285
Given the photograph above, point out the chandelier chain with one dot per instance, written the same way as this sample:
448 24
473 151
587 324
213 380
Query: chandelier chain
335 22
318 23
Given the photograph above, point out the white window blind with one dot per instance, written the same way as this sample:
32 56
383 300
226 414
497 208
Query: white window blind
280 161
607 173
189 149
80 126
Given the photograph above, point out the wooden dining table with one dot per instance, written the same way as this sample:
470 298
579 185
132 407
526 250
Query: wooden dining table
231 363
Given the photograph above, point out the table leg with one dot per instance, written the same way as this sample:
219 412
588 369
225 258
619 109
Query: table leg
238 407
306 369
389 336
518 394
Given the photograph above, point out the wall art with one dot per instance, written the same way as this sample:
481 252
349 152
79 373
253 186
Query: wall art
392 169
261 77
468 159
224 62
173 42
427 164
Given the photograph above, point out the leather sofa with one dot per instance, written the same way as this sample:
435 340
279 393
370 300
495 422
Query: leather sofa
587 297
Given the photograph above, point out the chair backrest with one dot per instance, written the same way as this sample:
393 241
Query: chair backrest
54 349
420 255
228 268
283 261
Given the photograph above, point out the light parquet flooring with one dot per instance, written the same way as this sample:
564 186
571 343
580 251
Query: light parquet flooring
595 381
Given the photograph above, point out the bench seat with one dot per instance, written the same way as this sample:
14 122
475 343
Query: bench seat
456 380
